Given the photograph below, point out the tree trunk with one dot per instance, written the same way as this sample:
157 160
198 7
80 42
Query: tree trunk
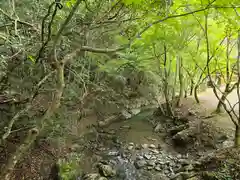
16 156
191 88
180 76
220 106
185 93
196 94
237 136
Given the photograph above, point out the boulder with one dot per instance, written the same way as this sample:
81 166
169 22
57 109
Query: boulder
106 170
182 138
176 129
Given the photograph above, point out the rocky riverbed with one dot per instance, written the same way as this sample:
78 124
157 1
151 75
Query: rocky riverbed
142 162
138 149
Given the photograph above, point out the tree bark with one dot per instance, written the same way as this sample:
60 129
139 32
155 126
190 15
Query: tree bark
237 136
180 76
6 173
196 94
191 88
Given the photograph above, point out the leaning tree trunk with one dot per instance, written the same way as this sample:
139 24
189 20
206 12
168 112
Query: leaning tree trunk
226 92
220 106
15 157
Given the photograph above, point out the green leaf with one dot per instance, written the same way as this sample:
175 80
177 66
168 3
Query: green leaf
31 58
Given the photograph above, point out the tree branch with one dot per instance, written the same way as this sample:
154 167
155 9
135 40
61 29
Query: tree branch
19 21
175 16
99 50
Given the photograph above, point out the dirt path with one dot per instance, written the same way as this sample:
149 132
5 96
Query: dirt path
209 99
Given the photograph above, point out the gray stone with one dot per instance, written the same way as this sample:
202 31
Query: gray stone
227 144
184 162
113 153
158 128
154 151
154 157
158 168
179 156
102 178
189 167
166 172
126 114
151 163
160 162
135 111
131 144
125 127
139 158
130 148
182 176
138 147
140 164
149 167
92 176
107 170
152 146
144 146
147 156
160 176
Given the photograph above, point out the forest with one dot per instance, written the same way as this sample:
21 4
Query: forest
119 89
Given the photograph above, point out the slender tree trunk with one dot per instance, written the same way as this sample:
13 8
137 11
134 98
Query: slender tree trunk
166 94
191 88
185 93
196 94
180 76
16 156
237 136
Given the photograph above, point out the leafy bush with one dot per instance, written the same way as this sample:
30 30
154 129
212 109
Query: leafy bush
69 167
